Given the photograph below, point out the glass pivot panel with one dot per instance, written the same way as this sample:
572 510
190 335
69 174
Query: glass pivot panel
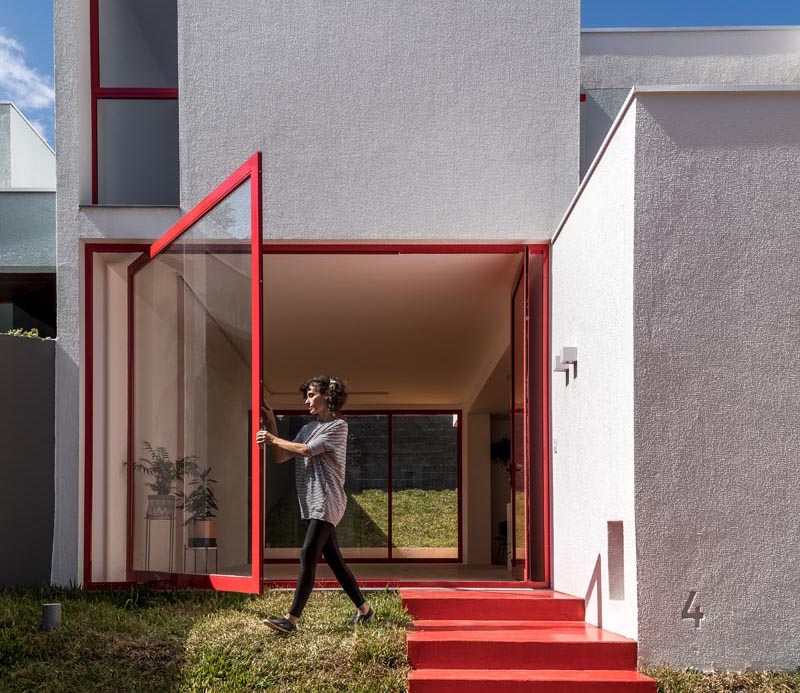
194 334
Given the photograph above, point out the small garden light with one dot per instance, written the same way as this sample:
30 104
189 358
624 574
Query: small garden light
51 617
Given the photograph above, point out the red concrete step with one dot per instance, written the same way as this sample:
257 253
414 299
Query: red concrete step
506 605
528 681
441 644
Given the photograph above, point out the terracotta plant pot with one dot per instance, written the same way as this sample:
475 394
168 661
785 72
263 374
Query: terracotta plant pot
202 534
160 506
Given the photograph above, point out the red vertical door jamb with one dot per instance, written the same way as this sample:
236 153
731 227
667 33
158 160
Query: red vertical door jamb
389 482
545 424
256 302
526 414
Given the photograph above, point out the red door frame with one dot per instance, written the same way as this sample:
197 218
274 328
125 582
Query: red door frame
542 489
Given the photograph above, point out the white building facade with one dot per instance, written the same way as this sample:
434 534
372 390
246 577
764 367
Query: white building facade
666 456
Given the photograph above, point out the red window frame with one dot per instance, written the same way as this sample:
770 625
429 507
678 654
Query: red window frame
540 489
100 92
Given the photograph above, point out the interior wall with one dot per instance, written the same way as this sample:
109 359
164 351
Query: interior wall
228 364
476 475
500 428
592 416
156 395
110 416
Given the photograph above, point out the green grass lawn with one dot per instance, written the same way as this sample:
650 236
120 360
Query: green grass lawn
152 641
692 681
420 519
198 641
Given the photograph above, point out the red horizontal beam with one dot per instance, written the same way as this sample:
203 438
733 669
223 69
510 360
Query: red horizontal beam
134 93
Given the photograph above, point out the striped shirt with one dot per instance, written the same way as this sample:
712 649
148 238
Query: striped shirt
320 478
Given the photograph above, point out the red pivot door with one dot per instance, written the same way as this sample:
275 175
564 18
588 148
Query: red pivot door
195 377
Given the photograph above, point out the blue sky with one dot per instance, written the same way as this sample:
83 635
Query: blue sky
26 37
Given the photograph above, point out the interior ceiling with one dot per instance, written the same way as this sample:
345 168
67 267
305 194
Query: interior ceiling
420 328
400 329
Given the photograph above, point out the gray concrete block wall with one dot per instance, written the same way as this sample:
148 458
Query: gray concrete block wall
27 447
27 231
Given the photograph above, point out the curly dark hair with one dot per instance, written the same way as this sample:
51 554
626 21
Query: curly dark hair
333 389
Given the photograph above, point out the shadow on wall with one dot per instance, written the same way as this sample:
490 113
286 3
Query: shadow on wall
27 410
596 588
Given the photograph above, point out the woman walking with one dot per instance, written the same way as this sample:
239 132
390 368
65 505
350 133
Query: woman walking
320 452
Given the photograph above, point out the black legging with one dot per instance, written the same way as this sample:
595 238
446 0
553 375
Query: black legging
321 539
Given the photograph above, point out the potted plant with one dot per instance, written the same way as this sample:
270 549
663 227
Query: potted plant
163 473
200 504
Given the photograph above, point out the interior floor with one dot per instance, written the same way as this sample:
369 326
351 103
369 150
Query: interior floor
400 572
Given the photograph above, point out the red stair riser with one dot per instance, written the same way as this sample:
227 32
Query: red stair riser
421 686
472 654
497 609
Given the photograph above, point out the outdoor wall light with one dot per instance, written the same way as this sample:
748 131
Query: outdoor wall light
568 356
562 367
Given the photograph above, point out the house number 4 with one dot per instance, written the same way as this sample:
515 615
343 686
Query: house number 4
692 612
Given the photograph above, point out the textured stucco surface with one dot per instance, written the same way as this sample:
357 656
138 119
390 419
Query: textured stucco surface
592 417
376 119
616 59
717 390
74 224
27 231
598 112
385 119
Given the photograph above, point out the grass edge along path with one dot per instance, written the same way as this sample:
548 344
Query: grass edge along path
146 640
193 640
688 680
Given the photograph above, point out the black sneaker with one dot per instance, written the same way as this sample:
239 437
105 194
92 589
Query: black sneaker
363 619
281 625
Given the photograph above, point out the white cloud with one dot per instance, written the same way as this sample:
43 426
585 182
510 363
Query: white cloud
18 82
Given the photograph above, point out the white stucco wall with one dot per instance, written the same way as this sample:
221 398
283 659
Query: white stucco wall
26 160
74 223
384 119
614 60
376 120
717 391
726 56
592 417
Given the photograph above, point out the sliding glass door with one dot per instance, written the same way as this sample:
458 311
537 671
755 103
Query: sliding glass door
402 484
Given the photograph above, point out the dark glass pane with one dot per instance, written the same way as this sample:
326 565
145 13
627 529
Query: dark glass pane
138 43
137 152
424 486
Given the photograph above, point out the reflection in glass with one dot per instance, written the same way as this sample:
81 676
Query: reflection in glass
192 386
424 486
364 529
